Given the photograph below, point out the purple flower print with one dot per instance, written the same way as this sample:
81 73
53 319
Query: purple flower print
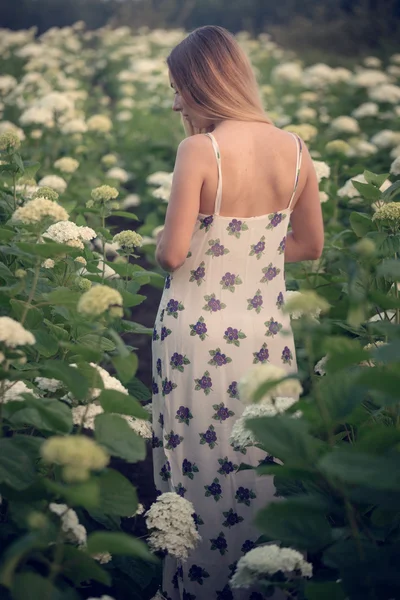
167 387
159 367
161 420
216 249
280 300
244 495
183 415
214 490
247 546
273 327
213 305
229 280
178 575
219 543
262 355
235 228
227 466
165 472
275 219
232 568
154 387
179 361
188 469
167 283
287 356
209 437
162 315
232 336
206 222
232 390
218 359
282 246
198 274
197 520
173 307
238 448
197 574
231 518
155 335
225 594
180 490
199 328
165 333
255 302
186 595
258 249
173 440
221 412
204 383
270 273
155 441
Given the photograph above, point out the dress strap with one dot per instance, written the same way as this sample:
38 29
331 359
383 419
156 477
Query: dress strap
218 198
299 147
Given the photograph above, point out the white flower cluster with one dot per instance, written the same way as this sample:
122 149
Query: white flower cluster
395 166
54 182
369 78
385 93
387 138
66 164
321 75
75 532
171 524
163 181
367 109
241 436
348 190
99 123
289 72
13 334
322 169
268 560
46 384
263 373
118 173
13 391
67 232
38 209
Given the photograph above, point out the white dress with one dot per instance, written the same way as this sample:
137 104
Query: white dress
220 313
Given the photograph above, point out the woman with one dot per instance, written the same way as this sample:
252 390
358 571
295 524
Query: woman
238 182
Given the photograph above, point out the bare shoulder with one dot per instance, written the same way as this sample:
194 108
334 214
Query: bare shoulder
194 144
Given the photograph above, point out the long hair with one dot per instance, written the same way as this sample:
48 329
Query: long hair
215 78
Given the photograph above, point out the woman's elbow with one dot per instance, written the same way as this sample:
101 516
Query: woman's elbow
315 250
170 262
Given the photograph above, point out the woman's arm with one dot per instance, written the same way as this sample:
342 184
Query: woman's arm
184 203
305 241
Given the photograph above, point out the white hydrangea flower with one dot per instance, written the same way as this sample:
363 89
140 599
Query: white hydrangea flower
73 126
66 231
323 197
55 182
345 124
263 373
395 58
319 368
306 113
289 72
241 436
160 178
131 200
367 109
322 169
369 78
118 173
13 334
349 191
386 138
37 116
395 152
48 263
372 62
48 384
66 164
13 391
264 561
37 209
385 93
99 123
75 532
171 525
90 412
102 557
395 166
362 148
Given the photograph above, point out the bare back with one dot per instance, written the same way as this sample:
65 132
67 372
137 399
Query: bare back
258 163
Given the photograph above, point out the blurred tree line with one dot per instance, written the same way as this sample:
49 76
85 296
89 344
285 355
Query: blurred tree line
335 27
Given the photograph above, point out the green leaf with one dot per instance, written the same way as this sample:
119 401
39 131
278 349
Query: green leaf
47 250
45 414
16 551
124 213
341 393
34 317
377 439
91 375
31 586
113 401
357 468
86 494
390 269
79 567
31 167
138 390
118 543
6 235
119 439
285 438
126 366
92 341
367 191
70 376
383 380
374 179
391 191
63 297
328 590
16 466
117 494
295 524
361 224
45 344
131 300
343 352
80 352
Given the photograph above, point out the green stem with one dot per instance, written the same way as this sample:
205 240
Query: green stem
396 293
32 292
323 411
14 192
89 400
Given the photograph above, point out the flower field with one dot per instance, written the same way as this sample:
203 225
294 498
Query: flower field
87 149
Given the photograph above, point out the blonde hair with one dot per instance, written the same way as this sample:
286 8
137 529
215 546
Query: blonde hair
215 78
